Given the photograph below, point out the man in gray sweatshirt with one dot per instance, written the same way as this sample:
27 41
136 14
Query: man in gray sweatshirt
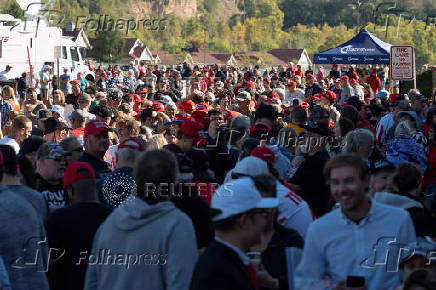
23 241
146 242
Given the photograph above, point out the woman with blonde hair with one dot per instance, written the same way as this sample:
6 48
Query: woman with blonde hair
157 142
8 94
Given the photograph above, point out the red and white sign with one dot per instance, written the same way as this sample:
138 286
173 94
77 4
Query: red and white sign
402 66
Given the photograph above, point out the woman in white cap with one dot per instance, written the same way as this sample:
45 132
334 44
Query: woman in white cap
44 77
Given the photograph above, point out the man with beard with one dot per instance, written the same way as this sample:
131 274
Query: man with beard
162 89
96 143
50 167
358 237
312 88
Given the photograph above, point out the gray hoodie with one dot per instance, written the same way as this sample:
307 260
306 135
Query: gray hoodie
142 246
396 200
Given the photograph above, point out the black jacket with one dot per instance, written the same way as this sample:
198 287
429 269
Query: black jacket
100 167
314 188
186 198
220 268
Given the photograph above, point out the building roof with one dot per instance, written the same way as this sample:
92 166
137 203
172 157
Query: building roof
72 34
165 57
286 55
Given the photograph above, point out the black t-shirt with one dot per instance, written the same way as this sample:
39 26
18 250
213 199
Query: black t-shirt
72 229
313 90
314 189
100 167
53 194
334 74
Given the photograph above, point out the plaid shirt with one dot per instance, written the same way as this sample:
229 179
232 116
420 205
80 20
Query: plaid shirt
5 108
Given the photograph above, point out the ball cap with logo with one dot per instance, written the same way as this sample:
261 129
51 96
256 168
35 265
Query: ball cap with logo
132 143
77 171
237 197
95 128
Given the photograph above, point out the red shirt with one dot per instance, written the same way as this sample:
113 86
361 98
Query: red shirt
430 173
206 190
78 132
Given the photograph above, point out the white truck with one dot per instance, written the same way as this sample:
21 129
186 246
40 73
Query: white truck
34 42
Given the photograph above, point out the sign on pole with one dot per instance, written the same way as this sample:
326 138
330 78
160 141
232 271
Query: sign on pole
402 65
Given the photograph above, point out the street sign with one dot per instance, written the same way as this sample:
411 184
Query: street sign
402 65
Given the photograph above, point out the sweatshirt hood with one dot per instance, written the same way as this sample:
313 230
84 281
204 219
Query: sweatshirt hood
396 200
137 213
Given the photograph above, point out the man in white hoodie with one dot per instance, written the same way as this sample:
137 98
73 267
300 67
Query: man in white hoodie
147 242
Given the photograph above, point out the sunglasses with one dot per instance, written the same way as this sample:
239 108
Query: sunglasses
80 150
57 158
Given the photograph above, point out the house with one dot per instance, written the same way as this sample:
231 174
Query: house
163 57
287 55
134 50
78 35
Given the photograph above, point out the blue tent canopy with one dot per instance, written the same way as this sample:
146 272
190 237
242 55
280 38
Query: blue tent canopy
364 48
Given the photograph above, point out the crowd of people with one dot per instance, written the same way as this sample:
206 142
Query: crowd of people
208 177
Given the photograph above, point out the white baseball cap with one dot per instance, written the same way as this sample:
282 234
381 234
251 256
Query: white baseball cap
58 109
251 166
165 99
239 196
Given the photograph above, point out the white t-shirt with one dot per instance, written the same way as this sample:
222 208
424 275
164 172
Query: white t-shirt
11 142
298 94
294 212
4 75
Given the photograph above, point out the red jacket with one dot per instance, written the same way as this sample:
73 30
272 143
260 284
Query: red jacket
430 173
374 83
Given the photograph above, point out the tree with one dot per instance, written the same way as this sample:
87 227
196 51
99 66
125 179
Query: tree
12 8
109 46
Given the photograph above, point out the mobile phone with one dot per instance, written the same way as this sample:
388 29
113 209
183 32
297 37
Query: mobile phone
355 281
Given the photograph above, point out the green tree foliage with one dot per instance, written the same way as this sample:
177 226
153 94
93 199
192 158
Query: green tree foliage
11 7
261 25
109 46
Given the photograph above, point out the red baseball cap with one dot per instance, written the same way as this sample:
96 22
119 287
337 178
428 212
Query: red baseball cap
316 97
200 116
304 105
77 171
268 80
263 153
182 117
309 77
353 81
344 78
159 107
95 127
137 98
275 96
330 95
255 128
192 129
187 105
143 91
291 83
202 107
75 82
132 143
